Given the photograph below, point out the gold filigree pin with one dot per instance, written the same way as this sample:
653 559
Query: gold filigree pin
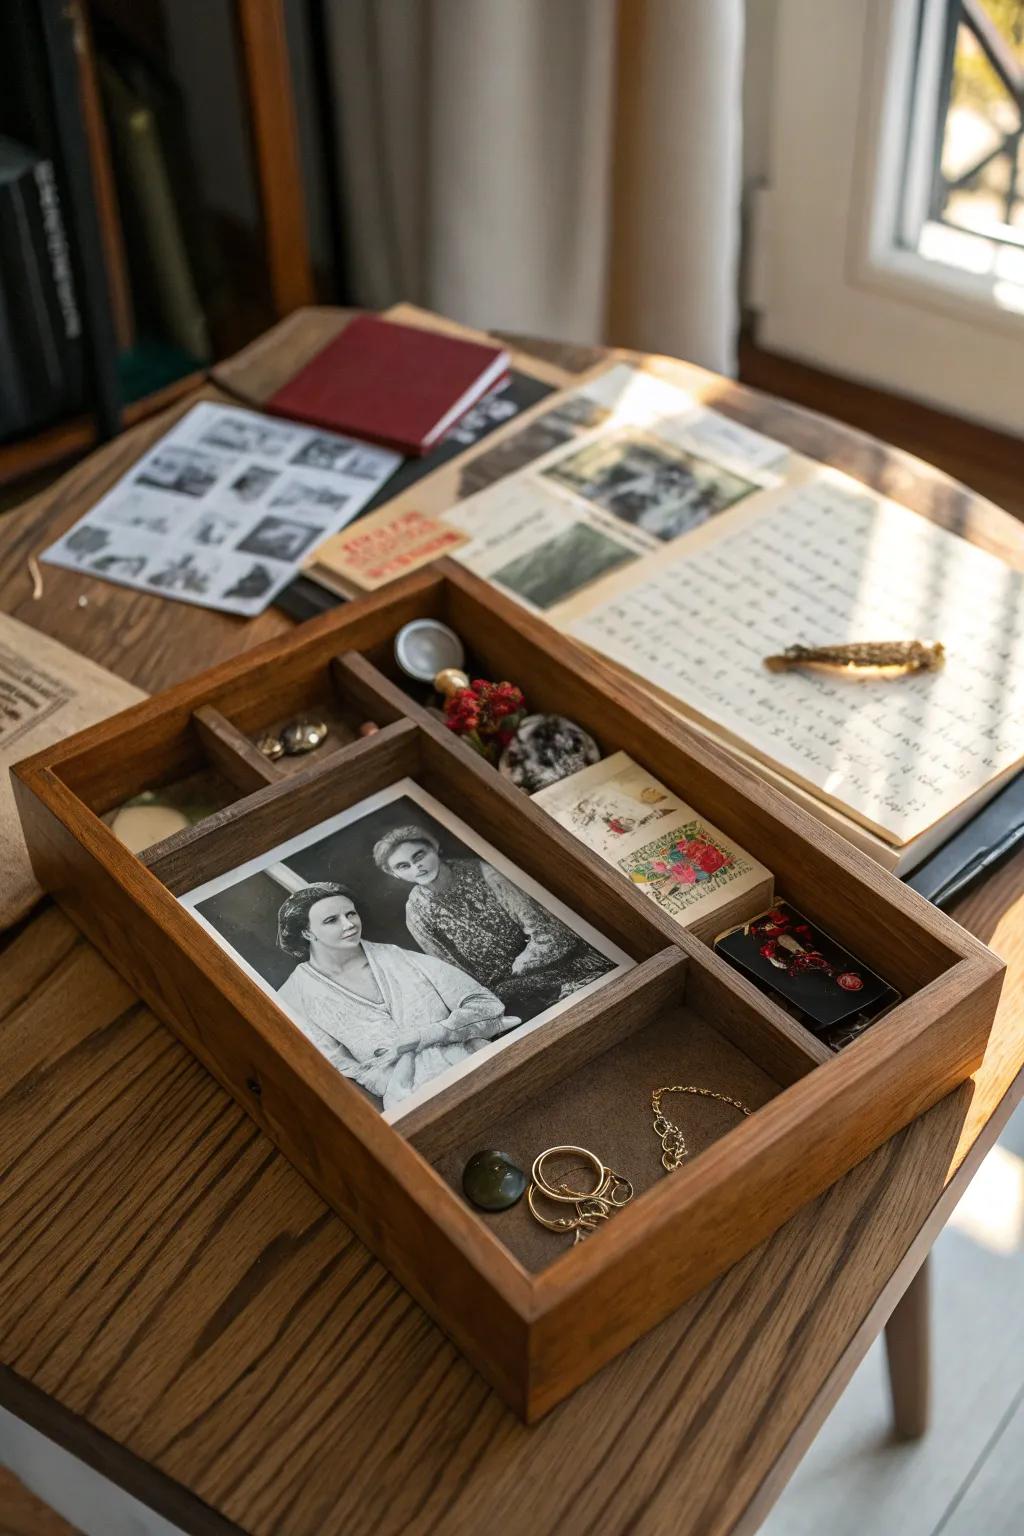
866 658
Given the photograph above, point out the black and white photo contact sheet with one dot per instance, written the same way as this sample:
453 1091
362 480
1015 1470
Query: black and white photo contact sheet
223 509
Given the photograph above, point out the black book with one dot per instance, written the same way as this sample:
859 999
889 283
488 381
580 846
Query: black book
987 839
15 416
32 317
27 119
26 111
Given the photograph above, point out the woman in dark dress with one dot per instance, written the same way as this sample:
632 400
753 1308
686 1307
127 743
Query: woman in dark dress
465 911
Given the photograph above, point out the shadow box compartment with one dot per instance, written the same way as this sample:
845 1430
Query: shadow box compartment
536 1314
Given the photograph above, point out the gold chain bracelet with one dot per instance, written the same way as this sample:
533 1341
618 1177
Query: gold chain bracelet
673 1143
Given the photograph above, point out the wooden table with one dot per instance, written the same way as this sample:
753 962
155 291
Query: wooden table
179 1309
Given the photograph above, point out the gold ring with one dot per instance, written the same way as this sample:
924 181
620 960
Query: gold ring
556 1223
559 1191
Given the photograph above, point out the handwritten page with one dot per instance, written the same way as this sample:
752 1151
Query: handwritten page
822 563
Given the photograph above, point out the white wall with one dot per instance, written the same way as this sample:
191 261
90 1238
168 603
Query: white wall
758 73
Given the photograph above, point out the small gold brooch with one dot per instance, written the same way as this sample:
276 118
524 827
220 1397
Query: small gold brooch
867 658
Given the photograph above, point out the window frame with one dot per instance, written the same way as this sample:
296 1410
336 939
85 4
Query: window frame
906 42
838 284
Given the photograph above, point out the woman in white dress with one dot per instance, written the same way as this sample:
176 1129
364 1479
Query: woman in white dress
389 1018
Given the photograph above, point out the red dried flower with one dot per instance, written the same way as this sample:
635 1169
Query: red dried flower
485 715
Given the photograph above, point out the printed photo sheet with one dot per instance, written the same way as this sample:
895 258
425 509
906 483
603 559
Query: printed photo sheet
224 508
649 465
821 563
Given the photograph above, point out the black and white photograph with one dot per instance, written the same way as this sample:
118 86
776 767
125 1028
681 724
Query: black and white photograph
554 570
87 540
365 463
489 413
302 493
404 946
549 430
324 453
125 566
278 538
185 471
651 484
212 529
250 485
253 583
185 574
245 432
137 510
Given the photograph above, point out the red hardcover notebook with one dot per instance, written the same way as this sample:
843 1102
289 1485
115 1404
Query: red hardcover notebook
391 384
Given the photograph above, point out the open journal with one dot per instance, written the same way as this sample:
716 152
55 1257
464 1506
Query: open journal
829 562
686 548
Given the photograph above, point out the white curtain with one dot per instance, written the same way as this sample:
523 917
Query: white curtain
566 168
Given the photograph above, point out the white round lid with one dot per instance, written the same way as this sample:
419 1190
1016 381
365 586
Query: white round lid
425 647
140 826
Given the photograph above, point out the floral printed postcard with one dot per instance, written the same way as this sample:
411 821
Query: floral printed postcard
655 839
607 803
683 862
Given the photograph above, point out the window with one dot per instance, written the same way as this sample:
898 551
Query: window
964 176
889 244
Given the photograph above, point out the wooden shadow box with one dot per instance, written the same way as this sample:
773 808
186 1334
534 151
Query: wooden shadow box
536 1315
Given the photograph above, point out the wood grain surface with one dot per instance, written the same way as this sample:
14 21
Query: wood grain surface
178 1307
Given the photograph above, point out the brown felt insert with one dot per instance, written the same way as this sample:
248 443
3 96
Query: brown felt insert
606 1107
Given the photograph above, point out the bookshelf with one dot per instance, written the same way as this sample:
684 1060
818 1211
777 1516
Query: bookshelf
87 147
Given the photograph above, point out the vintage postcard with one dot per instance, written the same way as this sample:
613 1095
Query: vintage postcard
405 947
397 539
656 840
690 868
603 805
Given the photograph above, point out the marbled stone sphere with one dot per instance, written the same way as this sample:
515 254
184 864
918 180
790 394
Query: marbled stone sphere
492 1181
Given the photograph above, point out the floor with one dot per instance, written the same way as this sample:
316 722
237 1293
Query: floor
966 1477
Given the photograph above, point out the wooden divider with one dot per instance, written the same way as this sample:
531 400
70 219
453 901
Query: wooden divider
525 1067
229 750
282 810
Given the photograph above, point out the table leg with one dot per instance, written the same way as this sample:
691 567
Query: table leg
908 1349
